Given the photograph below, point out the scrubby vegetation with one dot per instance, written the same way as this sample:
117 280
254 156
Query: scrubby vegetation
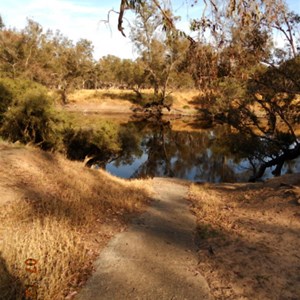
241 76
31 119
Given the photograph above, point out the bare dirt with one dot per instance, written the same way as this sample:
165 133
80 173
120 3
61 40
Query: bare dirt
249 238
156 257
113 101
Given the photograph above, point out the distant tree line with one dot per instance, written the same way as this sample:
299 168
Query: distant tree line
53 60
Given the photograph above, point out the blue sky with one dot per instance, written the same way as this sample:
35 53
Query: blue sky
83 19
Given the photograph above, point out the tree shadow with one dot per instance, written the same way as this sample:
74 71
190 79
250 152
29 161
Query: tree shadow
250 250
11 287
155 258
251 267
141 99
131 97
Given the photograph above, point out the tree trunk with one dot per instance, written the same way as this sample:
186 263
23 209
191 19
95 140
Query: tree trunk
278 162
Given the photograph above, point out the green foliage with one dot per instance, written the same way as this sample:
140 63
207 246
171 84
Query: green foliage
101 142
241 145
2 25
5 99
181 80
11 90
31 119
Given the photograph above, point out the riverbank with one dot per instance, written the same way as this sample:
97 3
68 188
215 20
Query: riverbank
55 217
116 101
249 238
60 215
121 104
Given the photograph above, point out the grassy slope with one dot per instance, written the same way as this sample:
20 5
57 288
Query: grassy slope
249 238
59 213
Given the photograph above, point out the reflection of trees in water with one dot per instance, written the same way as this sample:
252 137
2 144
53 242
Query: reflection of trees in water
260 153
214 155
176 153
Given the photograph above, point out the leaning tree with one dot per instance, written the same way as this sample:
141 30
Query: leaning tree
255 85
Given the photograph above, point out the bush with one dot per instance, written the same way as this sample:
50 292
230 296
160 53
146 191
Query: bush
13 89
31 119
6 98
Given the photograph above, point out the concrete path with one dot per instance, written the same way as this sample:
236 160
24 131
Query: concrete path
155 258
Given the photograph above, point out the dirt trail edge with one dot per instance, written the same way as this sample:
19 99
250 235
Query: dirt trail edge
156 257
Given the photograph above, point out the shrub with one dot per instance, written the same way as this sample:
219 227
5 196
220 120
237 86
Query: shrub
6 98
31 119
13 89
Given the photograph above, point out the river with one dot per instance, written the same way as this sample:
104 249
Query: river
182 149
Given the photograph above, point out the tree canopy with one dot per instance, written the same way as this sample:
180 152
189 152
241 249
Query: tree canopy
244 78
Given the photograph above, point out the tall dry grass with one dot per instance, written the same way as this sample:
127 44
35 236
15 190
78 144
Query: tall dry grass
53 211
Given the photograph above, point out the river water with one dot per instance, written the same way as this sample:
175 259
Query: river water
180 149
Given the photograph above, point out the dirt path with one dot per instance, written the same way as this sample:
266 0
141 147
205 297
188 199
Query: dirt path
156 257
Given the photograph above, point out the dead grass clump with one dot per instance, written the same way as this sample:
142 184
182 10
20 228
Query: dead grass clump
249 238
57 249
63 215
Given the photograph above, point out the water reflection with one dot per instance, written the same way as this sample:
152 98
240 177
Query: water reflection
156 149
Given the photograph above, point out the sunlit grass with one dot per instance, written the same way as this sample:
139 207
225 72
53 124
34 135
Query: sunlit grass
62 208
183 99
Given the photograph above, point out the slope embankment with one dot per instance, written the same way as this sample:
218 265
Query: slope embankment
55 217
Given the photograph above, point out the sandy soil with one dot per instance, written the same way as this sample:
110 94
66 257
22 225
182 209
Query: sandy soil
114 107
156 257
249 238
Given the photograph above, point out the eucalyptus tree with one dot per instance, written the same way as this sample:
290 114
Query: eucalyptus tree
109 67
157 45
245 81
11 53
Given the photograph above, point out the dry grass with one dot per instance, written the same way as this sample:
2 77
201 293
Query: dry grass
59 213
100 96
184 100
249 238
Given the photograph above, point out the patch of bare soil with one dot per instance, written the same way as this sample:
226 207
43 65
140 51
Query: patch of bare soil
249 238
